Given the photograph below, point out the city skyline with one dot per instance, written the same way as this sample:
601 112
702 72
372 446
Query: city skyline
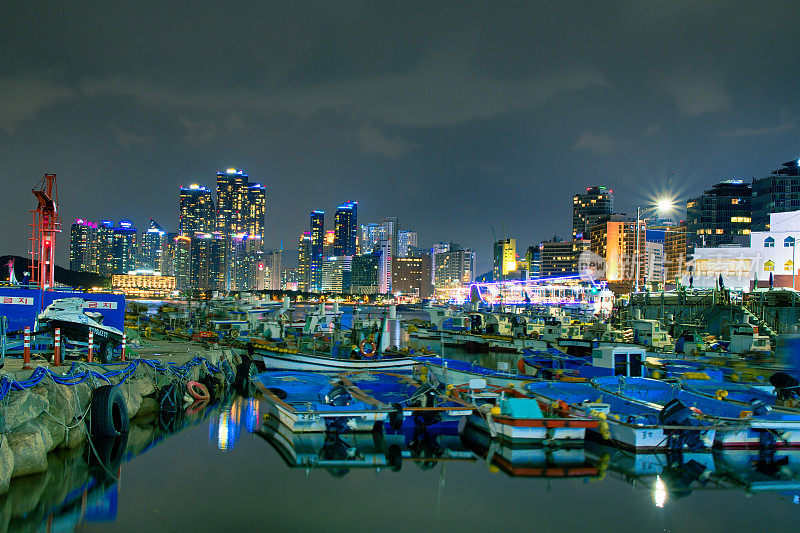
460 120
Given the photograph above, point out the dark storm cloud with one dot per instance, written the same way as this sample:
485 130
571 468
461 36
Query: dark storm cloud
458 118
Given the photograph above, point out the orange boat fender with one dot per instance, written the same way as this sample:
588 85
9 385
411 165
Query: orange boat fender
197 390
521 365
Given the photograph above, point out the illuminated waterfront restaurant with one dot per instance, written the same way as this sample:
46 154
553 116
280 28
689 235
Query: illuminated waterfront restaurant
144 284
566 291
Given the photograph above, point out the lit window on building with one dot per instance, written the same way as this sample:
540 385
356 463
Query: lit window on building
769 266
769 242
787 266
788 242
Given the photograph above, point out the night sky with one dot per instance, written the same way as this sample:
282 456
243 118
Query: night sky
457 117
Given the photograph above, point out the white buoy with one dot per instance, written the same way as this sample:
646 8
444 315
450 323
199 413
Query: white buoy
392 312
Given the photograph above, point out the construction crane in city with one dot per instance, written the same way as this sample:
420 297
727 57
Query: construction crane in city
46 224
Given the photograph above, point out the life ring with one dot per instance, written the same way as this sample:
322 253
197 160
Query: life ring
364 352
197 390
109 414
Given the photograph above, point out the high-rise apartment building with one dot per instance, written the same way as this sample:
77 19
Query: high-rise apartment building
614 240
505 258
151 247
196 212
560 258
777 193
721 215
385 268
205 261
588 208
345 229
272 261
336 273
364 273
454 268
82 241
534 259
675 253
303 261
407 276
391 227
232 196
182 263
371 235
436 249
254 221
406 240
123 254
317 248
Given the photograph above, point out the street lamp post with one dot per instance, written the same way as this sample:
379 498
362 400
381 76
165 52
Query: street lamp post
663 206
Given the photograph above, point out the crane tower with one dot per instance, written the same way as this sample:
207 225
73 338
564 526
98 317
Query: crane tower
46 224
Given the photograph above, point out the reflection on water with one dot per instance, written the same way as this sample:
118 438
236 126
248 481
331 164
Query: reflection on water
455 474
225 429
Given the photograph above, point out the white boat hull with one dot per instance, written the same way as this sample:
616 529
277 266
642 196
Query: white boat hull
319 363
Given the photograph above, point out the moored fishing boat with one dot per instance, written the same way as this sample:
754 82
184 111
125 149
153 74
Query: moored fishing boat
757 426
277 357
515 418
408 399
639 426
304 402
455 372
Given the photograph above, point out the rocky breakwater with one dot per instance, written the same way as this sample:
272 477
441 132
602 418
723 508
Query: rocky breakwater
53 410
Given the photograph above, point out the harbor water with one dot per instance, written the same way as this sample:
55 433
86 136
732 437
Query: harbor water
223 475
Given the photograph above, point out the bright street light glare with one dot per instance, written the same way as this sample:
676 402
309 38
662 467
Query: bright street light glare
664 205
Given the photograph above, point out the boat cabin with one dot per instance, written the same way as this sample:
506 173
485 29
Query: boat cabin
745 339
621 360
649 333
230 328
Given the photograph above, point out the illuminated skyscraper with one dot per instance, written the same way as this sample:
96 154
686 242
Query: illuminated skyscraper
205 260
345 229
181 250
272 262
371 235
256 211
588 208
454 268
303 261
317 247
196 210
405 239
151 248
232 196
81 246
104 248
505 258
123 251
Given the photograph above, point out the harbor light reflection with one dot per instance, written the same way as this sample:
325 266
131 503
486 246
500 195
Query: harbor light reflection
660 493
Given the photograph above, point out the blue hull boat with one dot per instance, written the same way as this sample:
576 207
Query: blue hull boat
757 426
308 402
634 425
458 373
412 403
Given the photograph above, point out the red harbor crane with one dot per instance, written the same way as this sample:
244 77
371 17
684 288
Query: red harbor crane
46 224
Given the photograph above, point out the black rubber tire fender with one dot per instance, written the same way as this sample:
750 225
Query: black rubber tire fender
107 455
109 414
